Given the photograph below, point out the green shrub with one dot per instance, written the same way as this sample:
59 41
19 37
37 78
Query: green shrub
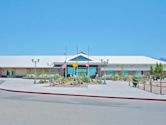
163 77
86 79
57 76
42 75
30 76
116 77
63 80
98 81
135 81
79 80
60 79
42 81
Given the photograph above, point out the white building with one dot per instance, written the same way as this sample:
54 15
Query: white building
18 66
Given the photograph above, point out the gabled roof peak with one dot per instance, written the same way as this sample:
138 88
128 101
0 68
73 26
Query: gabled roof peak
81 57
82 53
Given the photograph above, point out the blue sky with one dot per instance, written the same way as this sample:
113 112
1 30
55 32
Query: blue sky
109 27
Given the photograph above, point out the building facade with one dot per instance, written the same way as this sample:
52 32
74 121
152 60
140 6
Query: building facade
19 66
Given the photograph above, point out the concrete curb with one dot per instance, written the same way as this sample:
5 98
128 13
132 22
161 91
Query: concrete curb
80 95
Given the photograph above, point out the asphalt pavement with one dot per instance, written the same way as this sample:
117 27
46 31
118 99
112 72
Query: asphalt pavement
31 109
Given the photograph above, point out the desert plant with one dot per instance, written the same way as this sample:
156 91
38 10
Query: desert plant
86 79
116 77
135 81
152 70
156 71
64 80
78 80
42 81
56 76
98 81
30 76
42 75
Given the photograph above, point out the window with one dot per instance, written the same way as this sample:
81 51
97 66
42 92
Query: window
125 73
138 73
110 73
82 71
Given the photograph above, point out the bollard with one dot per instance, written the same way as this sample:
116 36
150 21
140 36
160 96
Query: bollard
144 85
150 85
160 86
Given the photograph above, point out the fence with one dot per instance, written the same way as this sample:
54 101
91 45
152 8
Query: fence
158 87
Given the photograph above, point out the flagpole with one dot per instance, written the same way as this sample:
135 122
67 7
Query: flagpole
88 61
77 62
66 61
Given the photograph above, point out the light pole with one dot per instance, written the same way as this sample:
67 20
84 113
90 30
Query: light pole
50 66
104 63
66 66
35 61
88 63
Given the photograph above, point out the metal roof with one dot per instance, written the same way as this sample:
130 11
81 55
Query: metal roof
26 61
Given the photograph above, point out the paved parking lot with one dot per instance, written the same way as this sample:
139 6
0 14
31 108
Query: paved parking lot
1 81
112 88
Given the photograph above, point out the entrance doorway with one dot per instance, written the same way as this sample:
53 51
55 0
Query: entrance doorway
82 71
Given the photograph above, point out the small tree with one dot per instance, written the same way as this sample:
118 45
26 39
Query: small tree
152 70
159 69
160 72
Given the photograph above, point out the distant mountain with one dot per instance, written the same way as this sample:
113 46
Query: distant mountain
163 59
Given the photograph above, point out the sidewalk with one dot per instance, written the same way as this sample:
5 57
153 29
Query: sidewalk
112 89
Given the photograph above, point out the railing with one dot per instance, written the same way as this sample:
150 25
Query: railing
158 87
